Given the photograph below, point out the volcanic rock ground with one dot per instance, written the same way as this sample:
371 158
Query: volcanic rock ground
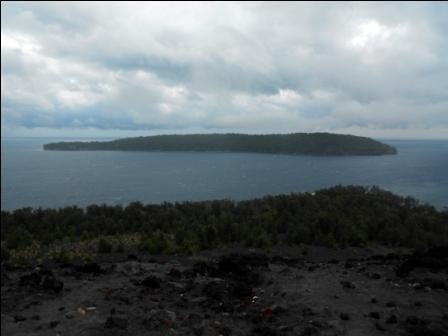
233 292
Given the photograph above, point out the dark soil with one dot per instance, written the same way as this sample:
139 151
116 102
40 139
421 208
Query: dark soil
233 292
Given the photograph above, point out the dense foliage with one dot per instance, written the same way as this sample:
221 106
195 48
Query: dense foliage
297 143
338 216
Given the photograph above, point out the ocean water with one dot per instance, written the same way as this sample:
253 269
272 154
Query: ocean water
31 177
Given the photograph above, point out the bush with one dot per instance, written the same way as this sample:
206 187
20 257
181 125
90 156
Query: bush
249 241
104 246
6 254
189 244
262 240
155 244
62 255
328 240
19 238
305 250
120 247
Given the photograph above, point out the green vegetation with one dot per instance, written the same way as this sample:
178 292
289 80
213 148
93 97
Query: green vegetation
104 246
297 143
336 217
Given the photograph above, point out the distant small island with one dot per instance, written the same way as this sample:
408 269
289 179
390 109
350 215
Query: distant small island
295 143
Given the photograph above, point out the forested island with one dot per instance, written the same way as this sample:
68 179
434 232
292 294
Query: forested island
296 144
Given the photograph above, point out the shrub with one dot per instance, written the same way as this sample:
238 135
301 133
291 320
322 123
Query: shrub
190 244
87 257
328 240
305 250
62 256
262 240
120 247
155 244
249 241
18 238
6 254
104 246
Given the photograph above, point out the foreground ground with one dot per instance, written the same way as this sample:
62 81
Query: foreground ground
312 291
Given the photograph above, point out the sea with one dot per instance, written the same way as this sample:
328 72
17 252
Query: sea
32 177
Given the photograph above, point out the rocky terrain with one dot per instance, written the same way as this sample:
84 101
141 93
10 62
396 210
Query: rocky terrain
282 291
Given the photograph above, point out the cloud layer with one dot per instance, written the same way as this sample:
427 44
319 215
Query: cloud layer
99 68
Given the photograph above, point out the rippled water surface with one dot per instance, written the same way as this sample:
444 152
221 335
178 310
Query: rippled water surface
37 178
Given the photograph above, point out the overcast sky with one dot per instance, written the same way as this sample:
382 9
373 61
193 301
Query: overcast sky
123 69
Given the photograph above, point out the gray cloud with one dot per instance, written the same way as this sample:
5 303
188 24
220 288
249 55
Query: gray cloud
265 67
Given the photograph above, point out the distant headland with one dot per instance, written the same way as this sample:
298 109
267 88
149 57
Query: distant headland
294 143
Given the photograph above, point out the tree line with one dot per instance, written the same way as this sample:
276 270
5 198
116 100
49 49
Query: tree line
336 217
